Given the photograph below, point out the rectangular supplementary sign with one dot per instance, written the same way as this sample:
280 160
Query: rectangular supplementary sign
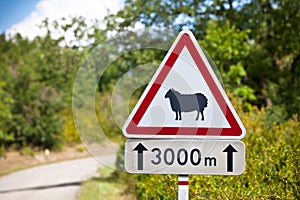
207 157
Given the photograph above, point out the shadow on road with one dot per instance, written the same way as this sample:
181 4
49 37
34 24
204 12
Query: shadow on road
78 183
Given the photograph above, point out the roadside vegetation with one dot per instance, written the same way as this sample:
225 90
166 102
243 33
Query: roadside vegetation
272 166
106 185
254 44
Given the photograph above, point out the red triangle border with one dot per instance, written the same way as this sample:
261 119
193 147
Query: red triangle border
133 128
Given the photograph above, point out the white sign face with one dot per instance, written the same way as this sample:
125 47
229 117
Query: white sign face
185 79
207 157
184 99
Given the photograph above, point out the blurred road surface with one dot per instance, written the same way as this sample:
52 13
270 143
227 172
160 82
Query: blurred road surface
57 181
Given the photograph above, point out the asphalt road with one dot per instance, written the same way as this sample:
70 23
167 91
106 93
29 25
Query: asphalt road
59 181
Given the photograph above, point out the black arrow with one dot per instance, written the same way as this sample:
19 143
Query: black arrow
140 149
230 149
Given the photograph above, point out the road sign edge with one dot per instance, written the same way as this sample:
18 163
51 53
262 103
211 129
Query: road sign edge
215 79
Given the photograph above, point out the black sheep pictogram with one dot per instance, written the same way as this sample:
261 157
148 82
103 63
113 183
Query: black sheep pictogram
186 103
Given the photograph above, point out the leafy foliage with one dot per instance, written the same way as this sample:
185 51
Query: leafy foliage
259 38
36 85
5 116
255 45
228 46
272 167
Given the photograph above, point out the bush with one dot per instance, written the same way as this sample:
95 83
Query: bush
272 166
2 151
69 130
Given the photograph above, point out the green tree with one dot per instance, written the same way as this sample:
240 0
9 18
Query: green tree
38 75
5 116
36 100
6 100
274 62
228 47
273 30
255 44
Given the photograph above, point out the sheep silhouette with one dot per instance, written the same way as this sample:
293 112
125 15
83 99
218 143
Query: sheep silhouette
186 103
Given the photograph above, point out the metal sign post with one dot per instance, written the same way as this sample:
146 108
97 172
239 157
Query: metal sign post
183 187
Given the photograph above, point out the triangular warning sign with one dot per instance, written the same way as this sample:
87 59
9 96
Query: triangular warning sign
184 99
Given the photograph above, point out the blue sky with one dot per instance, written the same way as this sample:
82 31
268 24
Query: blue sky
13 11
25 16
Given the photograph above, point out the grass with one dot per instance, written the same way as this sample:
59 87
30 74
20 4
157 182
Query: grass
107 187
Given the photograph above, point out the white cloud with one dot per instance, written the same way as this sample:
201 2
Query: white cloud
56 9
